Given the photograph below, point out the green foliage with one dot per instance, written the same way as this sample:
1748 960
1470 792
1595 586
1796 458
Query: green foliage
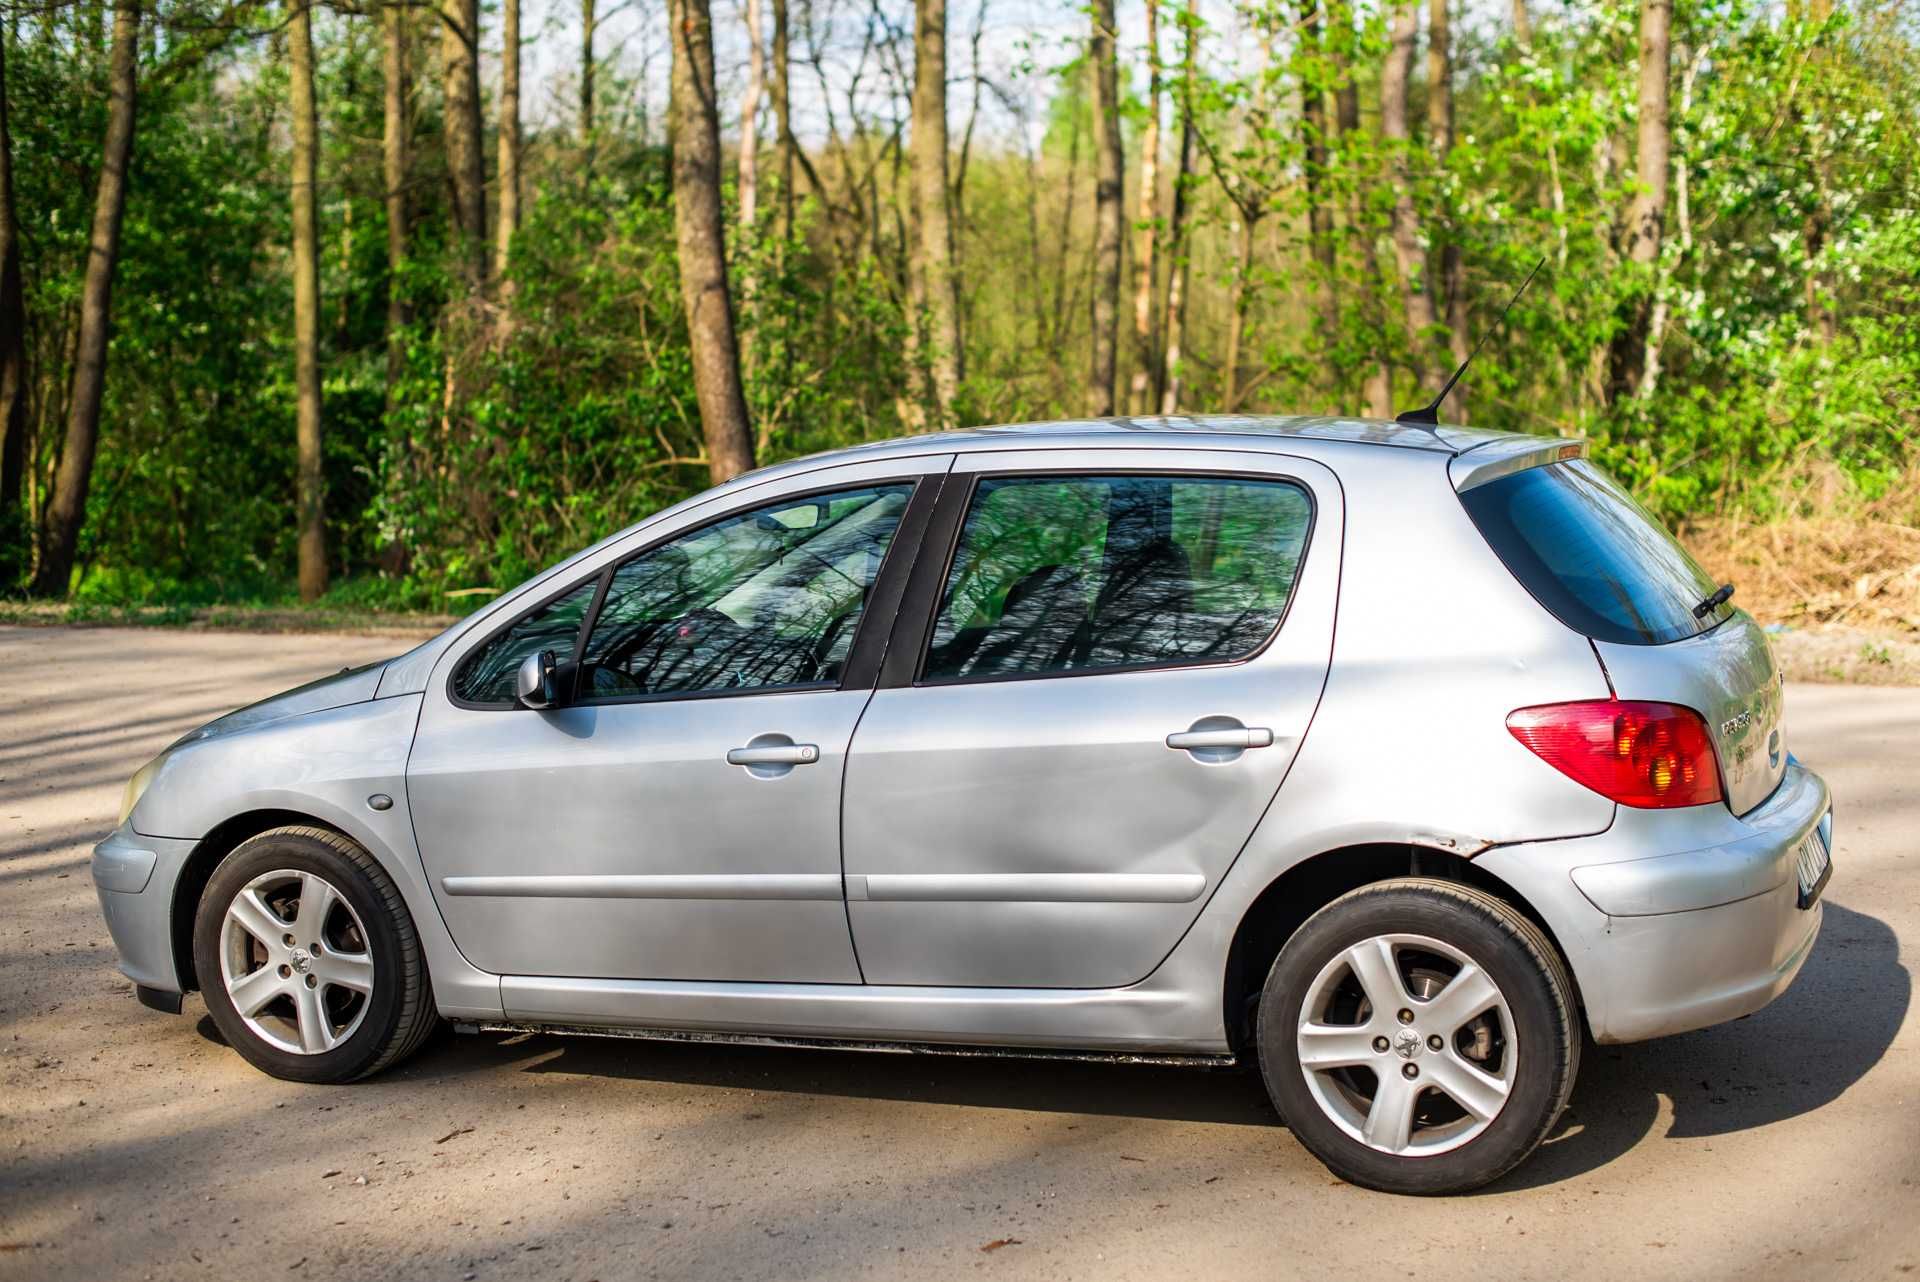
519 425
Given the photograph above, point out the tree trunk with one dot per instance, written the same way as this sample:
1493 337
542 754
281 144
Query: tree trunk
393 161
1108 213
1180 268
460 56
1522 25
1146 235
698 220
1408 252
61 535
1646 214
1377 383
589 20
749 184
933 215
507 216
780 93
1239 298
13 342
1313 136
311 480
1440 142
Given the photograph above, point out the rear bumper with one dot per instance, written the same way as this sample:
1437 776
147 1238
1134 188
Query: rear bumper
1676 920
134 876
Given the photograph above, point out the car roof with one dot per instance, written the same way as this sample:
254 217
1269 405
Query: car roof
1228 431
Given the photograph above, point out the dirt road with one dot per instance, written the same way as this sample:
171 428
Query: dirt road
133 1145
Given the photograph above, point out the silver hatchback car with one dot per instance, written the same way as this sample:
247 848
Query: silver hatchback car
1394 759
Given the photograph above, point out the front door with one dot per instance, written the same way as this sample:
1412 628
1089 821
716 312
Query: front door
1119 668
678 818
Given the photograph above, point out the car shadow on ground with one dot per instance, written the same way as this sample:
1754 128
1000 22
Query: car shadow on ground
1792 1058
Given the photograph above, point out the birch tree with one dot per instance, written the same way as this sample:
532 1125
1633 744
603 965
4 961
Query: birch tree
1108 214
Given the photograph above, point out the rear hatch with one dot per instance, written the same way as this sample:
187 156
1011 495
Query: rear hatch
1602 565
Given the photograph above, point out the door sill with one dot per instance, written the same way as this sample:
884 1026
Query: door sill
848 1044
1154 1017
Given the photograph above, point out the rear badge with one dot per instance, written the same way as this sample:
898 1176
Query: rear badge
1734 725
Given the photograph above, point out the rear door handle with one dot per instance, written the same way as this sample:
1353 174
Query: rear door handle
785 754
1231 737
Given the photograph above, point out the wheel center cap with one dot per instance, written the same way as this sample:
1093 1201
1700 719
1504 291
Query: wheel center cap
1406 1043
302 961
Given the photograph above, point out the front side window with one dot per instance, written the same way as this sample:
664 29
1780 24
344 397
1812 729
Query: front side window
769 598
488 677
1060 574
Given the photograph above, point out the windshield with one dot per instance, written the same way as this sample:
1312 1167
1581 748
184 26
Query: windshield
1593 556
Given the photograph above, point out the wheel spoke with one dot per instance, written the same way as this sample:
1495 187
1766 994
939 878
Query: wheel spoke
252 991
1323 1046
1467 994
316 901
346 970
251 913
1374 966
1390 1118
316 1031
1472 1088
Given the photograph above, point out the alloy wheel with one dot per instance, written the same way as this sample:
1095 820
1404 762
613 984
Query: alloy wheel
294 957
1407 1045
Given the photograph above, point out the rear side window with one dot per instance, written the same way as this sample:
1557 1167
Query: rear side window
1060 574
1591 555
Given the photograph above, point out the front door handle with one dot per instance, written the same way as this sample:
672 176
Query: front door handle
780 754
1233 737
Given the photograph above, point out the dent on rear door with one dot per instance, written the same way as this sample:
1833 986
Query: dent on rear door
1041 832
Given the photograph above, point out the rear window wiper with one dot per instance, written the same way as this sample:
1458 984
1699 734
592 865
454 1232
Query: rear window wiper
1719 597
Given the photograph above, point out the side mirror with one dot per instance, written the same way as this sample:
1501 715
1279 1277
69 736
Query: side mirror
534 686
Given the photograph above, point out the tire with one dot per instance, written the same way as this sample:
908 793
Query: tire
358 1002
1513 1060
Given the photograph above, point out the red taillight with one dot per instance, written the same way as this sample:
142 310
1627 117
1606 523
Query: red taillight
1650 755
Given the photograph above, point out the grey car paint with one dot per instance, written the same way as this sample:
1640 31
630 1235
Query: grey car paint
1432 642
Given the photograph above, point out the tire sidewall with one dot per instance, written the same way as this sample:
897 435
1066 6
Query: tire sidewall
300 852
1538 1031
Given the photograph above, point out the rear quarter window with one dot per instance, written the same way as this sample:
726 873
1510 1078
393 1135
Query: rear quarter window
1597 560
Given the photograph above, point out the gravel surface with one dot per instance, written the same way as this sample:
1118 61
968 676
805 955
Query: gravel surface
134 1145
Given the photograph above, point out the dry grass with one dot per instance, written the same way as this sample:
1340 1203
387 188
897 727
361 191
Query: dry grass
1807 570
1841 559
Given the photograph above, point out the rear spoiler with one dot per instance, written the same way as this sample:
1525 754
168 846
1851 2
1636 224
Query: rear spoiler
1512 454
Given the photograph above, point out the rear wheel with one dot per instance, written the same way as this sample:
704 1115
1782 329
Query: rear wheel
309 960
1419 1036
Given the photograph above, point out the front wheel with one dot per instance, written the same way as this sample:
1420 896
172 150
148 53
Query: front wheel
309 960
1419 1036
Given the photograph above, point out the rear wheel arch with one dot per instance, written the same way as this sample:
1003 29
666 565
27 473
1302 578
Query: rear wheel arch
1316 881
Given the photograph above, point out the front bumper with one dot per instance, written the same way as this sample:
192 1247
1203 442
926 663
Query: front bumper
1678 919
134 876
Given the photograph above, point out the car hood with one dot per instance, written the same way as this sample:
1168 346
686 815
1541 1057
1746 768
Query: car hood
349 685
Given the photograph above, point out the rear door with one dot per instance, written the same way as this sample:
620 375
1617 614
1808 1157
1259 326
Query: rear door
1084 711
1608 569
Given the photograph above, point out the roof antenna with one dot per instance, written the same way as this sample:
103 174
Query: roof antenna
1428 416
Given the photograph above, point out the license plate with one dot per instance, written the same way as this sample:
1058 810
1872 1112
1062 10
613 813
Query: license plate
1814 864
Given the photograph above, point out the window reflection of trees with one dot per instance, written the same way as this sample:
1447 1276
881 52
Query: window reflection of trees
749 602
489 676
1057 575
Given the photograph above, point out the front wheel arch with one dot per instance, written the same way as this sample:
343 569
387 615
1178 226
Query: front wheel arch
222 840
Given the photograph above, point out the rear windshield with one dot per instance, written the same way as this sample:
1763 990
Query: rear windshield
1591 555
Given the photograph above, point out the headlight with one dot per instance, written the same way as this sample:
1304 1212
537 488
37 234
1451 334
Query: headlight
138 785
